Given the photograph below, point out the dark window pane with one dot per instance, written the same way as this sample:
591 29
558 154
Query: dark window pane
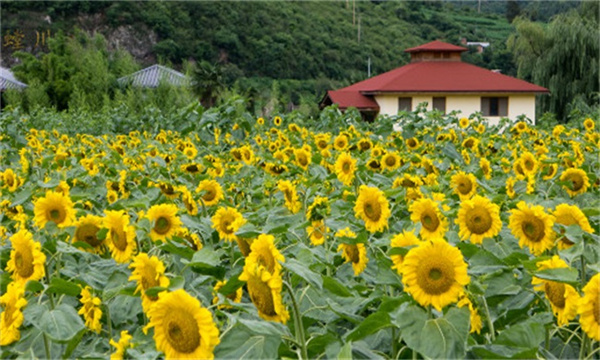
439 103
404 104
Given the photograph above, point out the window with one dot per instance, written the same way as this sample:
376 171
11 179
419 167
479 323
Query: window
494 106
439 103
404 104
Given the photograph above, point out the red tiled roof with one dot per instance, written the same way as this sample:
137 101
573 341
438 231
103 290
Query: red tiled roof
442 76
346 99
436 46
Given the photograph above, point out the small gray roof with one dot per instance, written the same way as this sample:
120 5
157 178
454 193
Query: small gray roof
152 76
8 80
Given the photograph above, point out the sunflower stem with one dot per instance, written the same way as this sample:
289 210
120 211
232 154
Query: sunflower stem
547 338
108 322
46 346
394 343
583 346
298 322
489 319
582 259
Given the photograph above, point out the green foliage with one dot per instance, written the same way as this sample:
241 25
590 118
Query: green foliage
562 56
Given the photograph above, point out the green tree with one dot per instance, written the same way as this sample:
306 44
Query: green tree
562 57
207 82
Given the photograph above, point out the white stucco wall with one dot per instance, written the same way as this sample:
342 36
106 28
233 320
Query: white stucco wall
521 105
467 104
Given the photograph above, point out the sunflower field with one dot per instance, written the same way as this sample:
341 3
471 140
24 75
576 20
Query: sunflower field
417 236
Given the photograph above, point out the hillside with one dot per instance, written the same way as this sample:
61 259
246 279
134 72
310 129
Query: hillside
308 46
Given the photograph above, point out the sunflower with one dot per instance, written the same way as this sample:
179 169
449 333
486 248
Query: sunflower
484 165
373 208
345 167
412 143
549 171
26 258
148 272
510 187
406 238
10 180
570 215
212 192
521 127
235 296
264 289
183 329
434 273
260 121
120 238
227 221
529 163
263 253
364 144
470 143
588 124
427 212
318 209
302 158
86 231
356 254
165 221
563 298
340 143
244 245
90 310
374 165
120 346
290 195
463 122
277 120
533 227
478 218
390 161
54 207
464 185
589 308
475 319
191 206
11 318
317 232
578 179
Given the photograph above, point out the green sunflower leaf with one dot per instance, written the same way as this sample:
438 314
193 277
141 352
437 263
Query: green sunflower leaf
563 275
372 324
62 286
62 323
304 273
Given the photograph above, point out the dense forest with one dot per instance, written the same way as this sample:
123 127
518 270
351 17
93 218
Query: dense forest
281 54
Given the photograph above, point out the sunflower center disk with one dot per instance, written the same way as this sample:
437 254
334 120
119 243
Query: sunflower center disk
226 226
119 239
390 161
266 259
437 277
24 263
209 196
162 226
57 216
429 220
261 296
352 252
373 211
346 167
182 332
149 280
87 233
479 220
464 187
288 195
555 293
577 182
533 229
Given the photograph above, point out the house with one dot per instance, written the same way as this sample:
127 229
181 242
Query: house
8 81
152 76
436 75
